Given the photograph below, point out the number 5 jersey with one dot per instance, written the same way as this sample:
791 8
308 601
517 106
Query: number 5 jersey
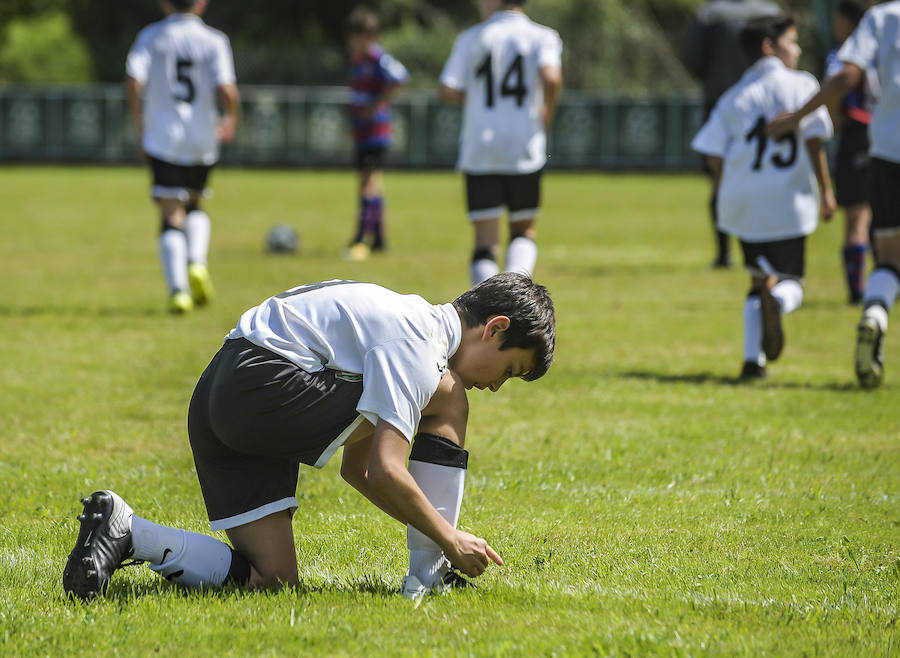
181 61
768 188
497 65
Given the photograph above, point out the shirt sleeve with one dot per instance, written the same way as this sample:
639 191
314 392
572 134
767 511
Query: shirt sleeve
551 51
223 63
861 48
391 70
713 138
454 73
137 65
399 379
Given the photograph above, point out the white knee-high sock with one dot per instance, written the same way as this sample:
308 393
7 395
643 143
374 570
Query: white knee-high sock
521 255
197 229
173 256
203 561
483 269
153 542
789 294
881 292
443 485
753 331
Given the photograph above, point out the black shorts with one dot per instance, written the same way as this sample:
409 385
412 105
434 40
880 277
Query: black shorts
173 181
371 158
851 170
253 419
885 196
787 257
488 194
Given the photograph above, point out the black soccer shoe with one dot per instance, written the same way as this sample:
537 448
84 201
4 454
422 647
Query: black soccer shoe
103 543
454 580
869 357
752 371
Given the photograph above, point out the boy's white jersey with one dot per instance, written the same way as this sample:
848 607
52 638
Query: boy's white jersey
876 44
768 189
398 344
497 65
181 61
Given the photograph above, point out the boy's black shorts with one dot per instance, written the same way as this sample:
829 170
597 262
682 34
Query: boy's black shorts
851 171
885 196
253 419
371 158
787 257
173 181
488 194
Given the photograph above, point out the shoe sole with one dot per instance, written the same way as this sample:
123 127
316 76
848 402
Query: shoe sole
773 336
80 578
868 371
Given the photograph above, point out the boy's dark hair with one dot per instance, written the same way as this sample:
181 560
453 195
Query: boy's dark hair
532 325
182 5
852 10
757 30
362 20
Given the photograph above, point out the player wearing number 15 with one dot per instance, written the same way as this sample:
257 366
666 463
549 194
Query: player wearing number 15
178 70
767 187
507 73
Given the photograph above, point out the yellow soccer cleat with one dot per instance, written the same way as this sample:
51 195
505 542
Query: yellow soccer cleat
180 303
201 284
357 252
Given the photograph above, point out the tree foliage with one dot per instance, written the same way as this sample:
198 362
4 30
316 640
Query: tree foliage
43 49
608 44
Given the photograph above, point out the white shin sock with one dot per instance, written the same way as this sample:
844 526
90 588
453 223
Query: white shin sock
753 331
197 229
173 256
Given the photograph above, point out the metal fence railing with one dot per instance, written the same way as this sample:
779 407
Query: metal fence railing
308 126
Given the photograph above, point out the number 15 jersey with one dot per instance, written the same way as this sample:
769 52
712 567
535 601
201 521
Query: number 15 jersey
497 65
181 61
768 189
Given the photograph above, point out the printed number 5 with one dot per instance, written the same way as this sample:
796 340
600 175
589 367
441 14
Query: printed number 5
182 74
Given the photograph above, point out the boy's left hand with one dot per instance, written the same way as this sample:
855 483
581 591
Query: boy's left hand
829 205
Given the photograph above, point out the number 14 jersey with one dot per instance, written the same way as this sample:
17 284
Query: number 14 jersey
497 65
768 189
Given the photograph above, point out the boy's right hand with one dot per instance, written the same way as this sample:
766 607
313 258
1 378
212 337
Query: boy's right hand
471 554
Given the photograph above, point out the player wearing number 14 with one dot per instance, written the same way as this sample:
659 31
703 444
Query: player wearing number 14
767 194
178 71
507 73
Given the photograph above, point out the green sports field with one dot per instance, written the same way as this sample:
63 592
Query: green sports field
645 503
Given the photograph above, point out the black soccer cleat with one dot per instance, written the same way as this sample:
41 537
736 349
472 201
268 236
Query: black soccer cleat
869 357
103 543
454 580
752 371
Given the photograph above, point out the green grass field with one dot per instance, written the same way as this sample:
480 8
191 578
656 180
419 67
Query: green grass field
644 502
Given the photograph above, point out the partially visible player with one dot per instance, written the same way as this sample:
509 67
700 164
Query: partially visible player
375 77
851 116
507 73
767 188
875 44
712 55
331 365
177 71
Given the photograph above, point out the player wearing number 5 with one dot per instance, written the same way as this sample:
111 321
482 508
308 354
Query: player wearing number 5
507 73
767 187
178 71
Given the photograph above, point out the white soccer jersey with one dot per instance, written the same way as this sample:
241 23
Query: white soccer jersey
180 61
497 65
768 189
400 344
876 45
